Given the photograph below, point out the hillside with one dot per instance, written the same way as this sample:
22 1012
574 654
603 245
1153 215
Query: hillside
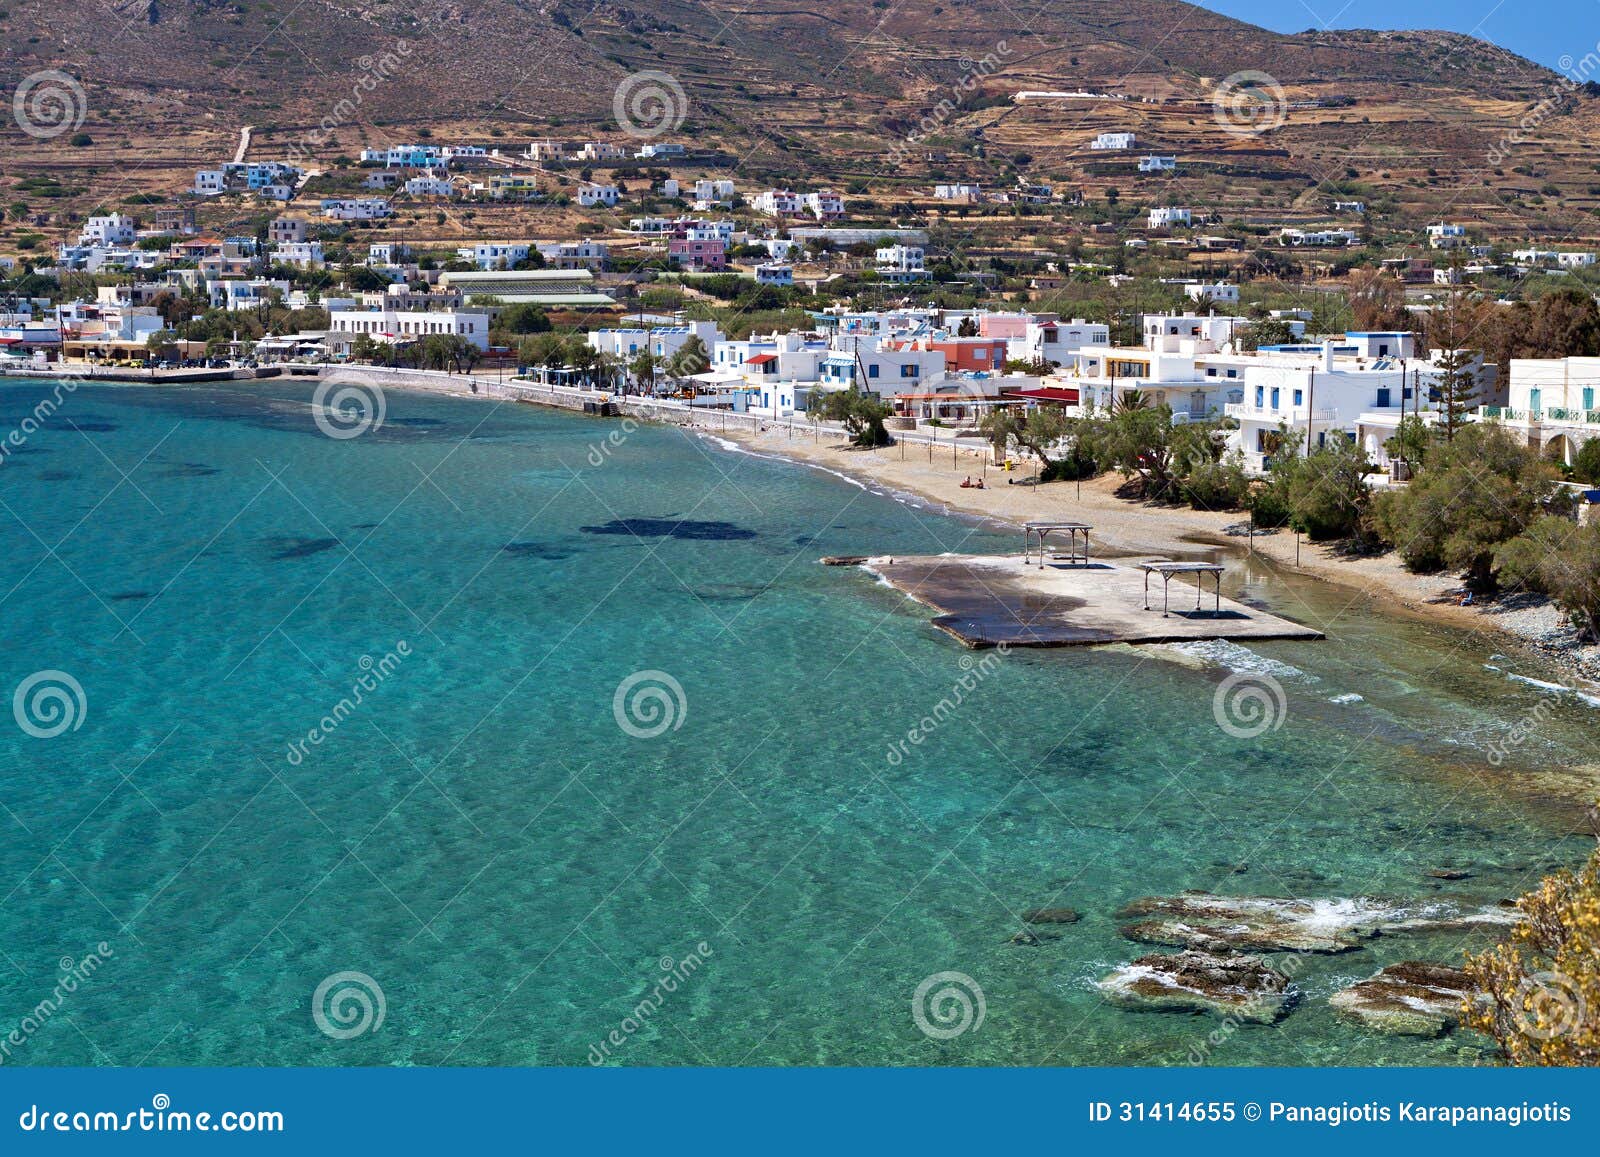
795 92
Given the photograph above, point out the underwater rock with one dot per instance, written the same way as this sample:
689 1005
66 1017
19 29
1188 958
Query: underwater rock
1412 998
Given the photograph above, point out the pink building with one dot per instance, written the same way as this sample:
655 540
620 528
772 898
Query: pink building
697 254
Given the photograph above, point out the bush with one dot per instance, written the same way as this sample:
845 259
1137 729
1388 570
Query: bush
1586 465
1540 988
1216 485
1473 494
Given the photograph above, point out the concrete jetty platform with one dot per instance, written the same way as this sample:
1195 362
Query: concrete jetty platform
985 601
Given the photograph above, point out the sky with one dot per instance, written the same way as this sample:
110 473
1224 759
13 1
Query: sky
1542 30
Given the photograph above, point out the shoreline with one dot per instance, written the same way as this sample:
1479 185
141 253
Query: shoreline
1124 527
929 476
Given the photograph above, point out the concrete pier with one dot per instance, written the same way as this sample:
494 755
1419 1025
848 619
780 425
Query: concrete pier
985 601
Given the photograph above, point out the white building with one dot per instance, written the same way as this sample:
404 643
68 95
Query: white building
1554 404
1155 164
591 194
1443 236
1113 141
1169 218
1048 340
1339 388
711 193
660 342
577 254
401 327
356 208
495 254
238 293
883 366
304 254
659 149
902 263
1296 238
771 274
431 184
1216 292
113 229
602 151
825 205
968 194
779 203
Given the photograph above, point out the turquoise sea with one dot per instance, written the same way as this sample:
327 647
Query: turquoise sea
486 844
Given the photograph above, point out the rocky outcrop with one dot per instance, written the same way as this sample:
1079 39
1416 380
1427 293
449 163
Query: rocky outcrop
1211 923
1243 988
1413 998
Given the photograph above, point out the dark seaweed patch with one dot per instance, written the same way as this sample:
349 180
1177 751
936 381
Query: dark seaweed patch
88 426
289 546
672 528
129 596
190 470
415 422
56 475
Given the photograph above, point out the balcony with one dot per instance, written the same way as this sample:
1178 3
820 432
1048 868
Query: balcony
1292 415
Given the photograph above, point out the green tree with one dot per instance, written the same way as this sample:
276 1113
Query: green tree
1557 556
1268 331
1065 447
1324 493
1473 494
862 414
1586 464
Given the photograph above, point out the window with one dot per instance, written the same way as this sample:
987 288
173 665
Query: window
872 370
1298 397
1383 398
911 371
1275 395
1259 392
1588 397
1211 371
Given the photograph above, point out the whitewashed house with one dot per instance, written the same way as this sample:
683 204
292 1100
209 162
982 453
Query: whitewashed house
112 229
901 263
591 194
1163 217
398 327
1113 141
356 208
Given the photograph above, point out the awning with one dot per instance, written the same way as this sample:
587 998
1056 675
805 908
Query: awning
761 359
1047 394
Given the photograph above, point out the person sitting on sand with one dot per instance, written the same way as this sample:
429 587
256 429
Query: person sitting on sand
966 483
978 485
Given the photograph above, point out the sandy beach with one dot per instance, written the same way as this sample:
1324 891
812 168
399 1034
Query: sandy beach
1130 528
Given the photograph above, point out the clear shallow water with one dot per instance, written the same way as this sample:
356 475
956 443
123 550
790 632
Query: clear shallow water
483 839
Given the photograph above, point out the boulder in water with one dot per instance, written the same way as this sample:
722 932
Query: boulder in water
1243 988
1412 998
1211 923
